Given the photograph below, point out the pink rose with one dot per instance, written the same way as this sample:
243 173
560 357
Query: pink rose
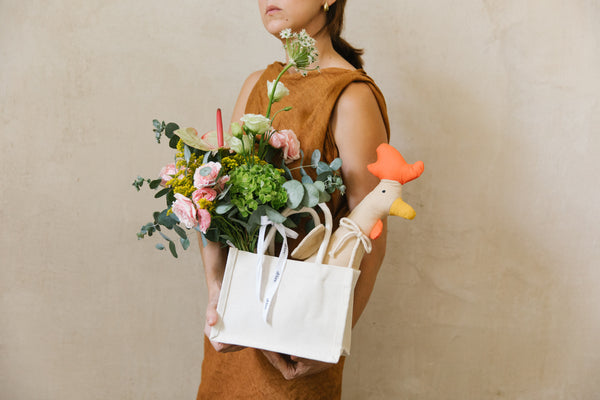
287 141
206 174
204 193
166 173
184 209
204 220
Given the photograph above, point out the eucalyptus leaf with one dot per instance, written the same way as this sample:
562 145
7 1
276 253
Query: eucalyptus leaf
311 195
166 220
324 197
156 124
187 153
322 167
316 157
154 184
166 237
288 173
160 246
180 231
336 164
223 208
170 129
320 186
162 192
173 249
173 142
185 243
295 192
275 216
307 179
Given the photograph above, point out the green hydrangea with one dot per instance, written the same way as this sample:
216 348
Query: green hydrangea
256 184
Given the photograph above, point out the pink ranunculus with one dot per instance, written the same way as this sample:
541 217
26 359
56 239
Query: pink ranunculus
287 141
204 220
166 173
206 174
184 209
204 193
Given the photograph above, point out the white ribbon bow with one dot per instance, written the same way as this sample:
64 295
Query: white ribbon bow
353 232
261 248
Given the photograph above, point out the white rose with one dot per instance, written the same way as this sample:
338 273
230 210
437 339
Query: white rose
280 91
256 123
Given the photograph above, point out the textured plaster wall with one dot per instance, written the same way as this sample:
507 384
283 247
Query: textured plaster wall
490 293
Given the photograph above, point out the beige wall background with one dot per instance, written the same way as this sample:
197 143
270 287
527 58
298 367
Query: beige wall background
492 292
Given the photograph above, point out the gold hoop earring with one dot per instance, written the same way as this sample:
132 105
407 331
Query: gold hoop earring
325 7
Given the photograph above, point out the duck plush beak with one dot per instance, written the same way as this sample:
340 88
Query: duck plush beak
400 209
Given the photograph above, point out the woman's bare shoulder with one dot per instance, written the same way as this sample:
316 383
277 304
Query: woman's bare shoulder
358 100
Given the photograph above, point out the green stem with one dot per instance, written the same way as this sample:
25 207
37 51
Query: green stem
275 87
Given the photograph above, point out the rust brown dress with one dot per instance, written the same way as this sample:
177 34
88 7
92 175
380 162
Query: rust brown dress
247 374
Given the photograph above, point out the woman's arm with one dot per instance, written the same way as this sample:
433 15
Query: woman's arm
214 256
358 128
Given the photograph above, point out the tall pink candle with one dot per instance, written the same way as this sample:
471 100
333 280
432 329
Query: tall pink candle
219 128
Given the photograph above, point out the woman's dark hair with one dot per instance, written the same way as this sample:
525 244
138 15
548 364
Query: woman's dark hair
334 24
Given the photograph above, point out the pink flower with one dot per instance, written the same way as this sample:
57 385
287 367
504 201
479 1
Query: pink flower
206 174
184 209
166 173
287 141
204 193
204 219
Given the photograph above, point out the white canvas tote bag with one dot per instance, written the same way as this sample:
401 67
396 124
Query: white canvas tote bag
309 316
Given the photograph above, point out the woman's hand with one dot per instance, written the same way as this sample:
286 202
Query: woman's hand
212 317
292 367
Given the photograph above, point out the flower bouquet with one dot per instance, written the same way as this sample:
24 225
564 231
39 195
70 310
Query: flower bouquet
221 184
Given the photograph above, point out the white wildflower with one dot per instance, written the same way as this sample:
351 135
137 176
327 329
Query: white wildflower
286 33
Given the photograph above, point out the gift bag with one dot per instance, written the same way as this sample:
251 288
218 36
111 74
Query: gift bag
308 314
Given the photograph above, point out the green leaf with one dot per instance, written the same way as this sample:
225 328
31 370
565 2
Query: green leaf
162 192
187 153
160 246
165 237
320 186
223 208
316 157
336 164
307 179
170 129
173 249
324 197
322 167
288 173
311 195
274 216
180 231
154 184
185 243
295 192
173 142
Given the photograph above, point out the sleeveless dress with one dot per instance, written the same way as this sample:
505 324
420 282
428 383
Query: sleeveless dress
247 374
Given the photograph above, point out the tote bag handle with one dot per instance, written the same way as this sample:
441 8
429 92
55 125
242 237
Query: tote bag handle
328 227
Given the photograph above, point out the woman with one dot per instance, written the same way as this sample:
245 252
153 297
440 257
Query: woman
340 111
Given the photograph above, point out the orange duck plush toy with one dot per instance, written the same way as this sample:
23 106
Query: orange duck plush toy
352 239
